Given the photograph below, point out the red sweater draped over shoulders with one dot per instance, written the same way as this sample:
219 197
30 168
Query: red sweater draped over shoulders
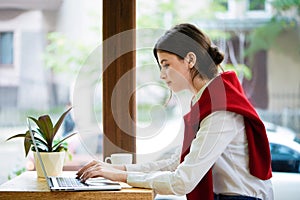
226 93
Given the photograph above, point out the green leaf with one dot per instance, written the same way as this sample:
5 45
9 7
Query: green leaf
16 136
41 135
44 135
46 129
40 143
35 120
27 142
62 140
60 148
60 121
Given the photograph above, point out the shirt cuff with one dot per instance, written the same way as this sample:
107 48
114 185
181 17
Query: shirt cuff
137 179
132 167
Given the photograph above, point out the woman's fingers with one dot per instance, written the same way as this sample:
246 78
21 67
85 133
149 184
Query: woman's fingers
86 167
101 169
92 172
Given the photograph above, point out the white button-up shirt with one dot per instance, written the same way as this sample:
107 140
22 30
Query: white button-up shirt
220 142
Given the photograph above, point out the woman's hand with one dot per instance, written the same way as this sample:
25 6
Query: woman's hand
102 169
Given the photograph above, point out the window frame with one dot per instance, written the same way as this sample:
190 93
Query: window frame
118 17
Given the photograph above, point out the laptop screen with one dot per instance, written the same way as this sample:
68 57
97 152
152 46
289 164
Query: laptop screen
36 149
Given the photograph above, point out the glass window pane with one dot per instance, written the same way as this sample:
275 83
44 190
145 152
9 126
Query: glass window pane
42 81
256 5
6 48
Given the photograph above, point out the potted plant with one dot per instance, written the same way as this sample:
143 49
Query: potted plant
52 149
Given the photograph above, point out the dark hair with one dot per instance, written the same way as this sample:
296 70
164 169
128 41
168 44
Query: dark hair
185 38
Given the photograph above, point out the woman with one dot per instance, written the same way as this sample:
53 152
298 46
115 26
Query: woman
225 152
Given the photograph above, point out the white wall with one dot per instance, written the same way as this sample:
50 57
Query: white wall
283 67
75 20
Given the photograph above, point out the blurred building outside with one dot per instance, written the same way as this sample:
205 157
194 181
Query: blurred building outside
27 87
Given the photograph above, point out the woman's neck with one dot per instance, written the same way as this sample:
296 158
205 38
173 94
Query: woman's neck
198 83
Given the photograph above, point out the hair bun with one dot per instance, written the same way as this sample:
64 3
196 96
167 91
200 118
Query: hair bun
216 55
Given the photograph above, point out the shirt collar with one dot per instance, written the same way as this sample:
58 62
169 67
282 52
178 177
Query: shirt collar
197 96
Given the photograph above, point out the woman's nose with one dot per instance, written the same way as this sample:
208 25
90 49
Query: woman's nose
162 74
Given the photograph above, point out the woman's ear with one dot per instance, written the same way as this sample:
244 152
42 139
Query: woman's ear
191 59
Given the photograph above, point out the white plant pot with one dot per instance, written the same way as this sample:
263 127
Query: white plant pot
53 163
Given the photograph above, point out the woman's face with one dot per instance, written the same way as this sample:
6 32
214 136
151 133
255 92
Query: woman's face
174 71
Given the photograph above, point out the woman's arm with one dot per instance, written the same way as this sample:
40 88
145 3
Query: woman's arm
95 168
169 164
216 131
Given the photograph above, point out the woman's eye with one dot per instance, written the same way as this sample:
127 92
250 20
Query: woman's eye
166 66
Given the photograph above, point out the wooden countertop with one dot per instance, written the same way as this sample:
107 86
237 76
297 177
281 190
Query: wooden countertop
28 186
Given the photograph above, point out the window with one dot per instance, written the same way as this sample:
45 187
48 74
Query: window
256 5
237 9
223 3
284 159
6 48
250 5
285 151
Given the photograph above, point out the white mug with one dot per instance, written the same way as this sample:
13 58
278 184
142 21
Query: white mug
119 158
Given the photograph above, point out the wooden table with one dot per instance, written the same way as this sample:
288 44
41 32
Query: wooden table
28 186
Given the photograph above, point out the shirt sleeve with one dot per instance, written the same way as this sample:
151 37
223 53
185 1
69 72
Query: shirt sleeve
160 165
216 131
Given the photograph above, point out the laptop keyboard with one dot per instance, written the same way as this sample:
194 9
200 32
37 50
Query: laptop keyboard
68 182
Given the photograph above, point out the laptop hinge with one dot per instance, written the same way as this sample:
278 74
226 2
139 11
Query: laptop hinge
50 182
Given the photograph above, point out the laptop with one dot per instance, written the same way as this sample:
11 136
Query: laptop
63 183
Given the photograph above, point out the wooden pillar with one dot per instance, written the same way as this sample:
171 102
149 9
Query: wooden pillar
119 110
